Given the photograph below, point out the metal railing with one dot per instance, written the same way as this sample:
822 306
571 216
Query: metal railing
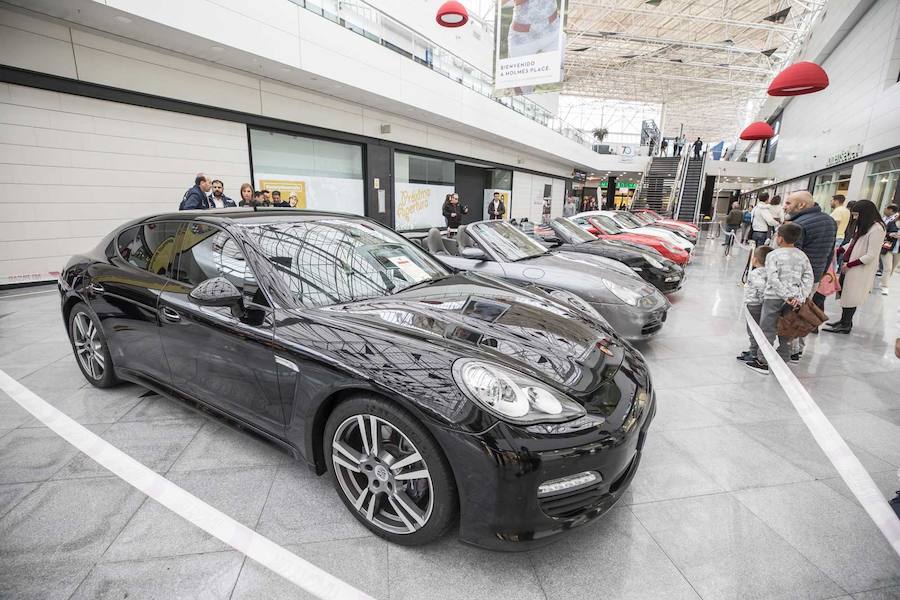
364 19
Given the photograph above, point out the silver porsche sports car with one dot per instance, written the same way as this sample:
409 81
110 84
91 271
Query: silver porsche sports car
634 308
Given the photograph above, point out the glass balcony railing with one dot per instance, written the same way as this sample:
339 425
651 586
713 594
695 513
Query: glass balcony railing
366 20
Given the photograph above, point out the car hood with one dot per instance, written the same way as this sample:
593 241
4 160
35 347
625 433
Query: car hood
583 274
470 316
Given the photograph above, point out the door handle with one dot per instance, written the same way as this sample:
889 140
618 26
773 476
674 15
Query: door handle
170 315
96 287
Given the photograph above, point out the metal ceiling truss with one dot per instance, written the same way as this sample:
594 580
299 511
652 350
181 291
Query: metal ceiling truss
703 59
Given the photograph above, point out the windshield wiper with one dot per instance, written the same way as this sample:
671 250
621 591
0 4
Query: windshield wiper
419 284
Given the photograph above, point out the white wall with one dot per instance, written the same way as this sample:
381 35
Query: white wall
528 196
73 168
861 104
352 83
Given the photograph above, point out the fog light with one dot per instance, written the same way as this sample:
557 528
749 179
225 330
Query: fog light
567 484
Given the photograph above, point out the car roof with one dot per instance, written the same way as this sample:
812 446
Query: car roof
262 214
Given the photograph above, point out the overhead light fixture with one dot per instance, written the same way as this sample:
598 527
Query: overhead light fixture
760 130
799 78
653 2
452 14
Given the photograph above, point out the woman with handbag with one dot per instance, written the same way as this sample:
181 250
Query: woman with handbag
860 263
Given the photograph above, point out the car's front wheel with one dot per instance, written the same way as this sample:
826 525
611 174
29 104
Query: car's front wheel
91 350
389 471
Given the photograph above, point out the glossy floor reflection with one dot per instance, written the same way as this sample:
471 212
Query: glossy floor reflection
733 499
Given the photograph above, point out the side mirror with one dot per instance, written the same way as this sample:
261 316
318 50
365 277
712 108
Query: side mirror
217 291
472 253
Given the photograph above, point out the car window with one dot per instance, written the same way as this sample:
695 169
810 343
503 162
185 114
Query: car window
150 247
507 241
208 251
339 260
607 224
629 220
570 232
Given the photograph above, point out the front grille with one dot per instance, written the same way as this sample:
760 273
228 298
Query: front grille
655 324
572 504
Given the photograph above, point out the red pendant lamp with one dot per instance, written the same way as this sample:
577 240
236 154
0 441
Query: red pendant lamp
452 14
799 78
759 130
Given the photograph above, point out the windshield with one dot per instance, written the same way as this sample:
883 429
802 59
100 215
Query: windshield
333 261
606 224
507 241
628 220
643 218
569 232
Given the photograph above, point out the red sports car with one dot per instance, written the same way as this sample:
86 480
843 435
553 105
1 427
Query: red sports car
608 230
658 217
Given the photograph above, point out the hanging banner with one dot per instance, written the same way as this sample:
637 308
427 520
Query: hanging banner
530 39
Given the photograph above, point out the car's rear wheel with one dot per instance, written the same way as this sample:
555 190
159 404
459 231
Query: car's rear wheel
90 348
389 471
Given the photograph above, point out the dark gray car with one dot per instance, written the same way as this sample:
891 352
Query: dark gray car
634 308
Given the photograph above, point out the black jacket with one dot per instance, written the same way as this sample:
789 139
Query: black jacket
735 217
501 209
194 198
459 210
226 202
817 241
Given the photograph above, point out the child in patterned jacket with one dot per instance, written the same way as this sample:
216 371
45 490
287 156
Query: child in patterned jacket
753 296
789 281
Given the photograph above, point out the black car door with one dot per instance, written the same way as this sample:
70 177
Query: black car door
220 355
124 293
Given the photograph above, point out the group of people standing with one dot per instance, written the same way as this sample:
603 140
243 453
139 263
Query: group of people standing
678 146
850 243
209 194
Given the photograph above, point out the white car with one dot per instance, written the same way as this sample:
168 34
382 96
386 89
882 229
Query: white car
623 222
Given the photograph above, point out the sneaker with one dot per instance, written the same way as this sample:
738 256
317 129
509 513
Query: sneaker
796 357
746 356
884 291
757 366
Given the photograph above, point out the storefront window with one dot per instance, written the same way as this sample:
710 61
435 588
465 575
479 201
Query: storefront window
881 182
829 185
421 184
324 175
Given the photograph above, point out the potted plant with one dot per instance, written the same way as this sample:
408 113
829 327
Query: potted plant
600 133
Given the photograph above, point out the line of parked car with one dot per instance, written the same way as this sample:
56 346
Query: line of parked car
620 263
482 379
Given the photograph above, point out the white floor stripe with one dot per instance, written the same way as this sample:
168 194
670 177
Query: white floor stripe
833 445
259 548
4 297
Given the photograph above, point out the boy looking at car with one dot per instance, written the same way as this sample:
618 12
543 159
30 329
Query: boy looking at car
789 281
754 293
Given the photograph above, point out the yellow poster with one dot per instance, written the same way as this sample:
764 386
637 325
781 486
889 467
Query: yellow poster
286 187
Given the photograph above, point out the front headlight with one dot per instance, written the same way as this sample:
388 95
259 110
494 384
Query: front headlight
626 295
512 396
571 299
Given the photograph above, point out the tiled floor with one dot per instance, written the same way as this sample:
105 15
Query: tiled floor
733 499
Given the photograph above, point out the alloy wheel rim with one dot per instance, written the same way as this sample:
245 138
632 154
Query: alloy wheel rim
88 346
383 474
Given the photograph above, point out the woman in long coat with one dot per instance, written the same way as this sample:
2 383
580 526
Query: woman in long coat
860 263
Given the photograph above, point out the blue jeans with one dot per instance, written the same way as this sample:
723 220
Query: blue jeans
759 237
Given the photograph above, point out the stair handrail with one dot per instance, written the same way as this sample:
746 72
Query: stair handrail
640 187
700 185
678 186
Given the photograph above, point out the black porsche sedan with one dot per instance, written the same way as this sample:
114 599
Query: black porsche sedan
654 268
427 395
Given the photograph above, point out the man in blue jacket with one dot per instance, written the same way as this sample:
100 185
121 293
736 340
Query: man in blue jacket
195 197
817 241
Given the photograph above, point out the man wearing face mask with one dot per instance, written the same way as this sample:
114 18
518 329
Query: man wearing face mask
195 197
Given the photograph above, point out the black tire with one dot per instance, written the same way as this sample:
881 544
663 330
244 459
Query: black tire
97 354
444 506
